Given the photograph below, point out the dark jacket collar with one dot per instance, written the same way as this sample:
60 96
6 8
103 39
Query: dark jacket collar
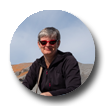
60 56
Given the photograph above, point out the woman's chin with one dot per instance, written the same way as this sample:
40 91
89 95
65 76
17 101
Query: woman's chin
47 52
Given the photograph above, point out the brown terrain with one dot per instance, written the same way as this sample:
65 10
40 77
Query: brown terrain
21 69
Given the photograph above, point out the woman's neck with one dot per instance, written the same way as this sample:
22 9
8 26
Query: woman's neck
49 59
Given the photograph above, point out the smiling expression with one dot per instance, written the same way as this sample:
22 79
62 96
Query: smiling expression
48 49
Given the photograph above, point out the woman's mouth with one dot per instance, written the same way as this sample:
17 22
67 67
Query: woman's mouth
48 49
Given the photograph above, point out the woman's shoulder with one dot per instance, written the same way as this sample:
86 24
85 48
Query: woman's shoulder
38 61
68 57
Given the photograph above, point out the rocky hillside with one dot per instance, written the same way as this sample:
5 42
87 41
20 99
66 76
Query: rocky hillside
21 70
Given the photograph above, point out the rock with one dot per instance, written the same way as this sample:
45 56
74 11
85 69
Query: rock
34 89
22 78
85 70
24 70
17 73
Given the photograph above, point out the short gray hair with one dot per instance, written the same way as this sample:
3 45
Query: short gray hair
50 32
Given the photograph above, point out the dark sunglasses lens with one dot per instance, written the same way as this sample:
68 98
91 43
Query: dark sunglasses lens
43 42
52 42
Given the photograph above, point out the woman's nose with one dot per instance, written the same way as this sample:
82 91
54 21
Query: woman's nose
47 44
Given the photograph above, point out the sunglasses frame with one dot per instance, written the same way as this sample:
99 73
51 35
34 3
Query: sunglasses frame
48 42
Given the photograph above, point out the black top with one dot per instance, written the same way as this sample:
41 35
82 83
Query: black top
62 76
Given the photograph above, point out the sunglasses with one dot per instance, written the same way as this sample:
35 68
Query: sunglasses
51 42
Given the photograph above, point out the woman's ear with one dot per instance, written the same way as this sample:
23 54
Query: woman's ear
58 43
38 44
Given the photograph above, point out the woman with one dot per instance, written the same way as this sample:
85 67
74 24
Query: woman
60 73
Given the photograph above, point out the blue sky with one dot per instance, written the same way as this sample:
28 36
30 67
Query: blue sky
75 37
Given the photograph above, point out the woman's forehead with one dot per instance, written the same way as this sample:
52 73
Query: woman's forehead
47 38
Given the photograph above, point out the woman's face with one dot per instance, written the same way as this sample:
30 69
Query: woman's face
48 49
